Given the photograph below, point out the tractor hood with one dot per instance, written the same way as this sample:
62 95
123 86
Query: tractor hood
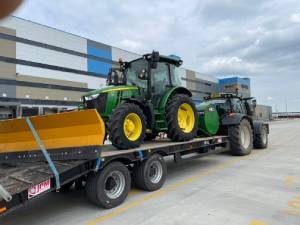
110 89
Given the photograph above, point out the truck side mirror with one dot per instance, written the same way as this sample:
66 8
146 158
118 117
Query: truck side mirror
154 59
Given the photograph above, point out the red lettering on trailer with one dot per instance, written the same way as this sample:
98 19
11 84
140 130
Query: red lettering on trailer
38 189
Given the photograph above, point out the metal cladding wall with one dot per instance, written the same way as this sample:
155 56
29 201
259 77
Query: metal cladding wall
233 84
102 51
263 112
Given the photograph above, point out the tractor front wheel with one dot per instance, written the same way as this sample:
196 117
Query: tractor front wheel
126 126
181 118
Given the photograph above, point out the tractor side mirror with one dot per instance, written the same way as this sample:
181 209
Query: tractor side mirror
154 59
254 103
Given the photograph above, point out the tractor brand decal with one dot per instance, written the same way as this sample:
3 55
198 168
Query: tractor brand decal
38 189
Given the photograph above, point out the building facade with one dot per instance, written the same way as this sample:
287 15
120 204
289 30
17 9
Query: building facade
45 70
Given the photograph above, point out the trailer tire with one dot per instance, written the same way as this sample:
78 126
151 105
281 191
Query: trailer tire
109 187
241 138
188 130
261 138
117 126
150 174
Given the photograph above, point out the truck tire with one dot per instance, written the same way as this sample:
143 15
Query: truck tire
241 138
261 138
151 174
109 187
126 126
181 118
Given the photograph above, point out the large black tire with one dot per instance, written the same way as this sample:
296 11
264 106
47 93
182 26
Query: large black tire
261 138
241 138
100 186
150 174
116 126
175 133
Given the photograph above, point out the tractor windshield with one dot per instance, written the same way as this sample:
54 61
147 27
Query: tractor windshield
136 73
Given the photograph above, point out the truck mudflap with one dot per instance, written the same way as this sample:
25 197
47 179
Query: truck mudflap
77 130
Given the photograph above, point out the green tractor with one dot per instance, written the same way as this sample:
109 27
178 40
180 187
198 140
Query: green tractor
142 98
236 119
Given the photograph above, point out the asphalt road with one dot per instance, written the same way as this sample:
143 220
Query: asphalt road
260 189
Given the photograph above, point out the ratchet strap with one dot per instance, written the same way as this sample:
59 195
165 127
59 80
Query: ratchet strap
45 153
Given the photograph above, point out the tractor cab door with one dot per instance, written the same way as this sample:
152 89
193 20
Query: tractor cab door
160 82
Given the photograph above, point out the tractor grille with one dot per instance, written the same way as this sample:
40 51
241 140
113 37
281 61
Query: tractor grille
98 103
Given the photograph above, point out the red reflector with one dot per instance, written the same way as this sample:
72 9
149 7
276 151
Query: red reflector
3 209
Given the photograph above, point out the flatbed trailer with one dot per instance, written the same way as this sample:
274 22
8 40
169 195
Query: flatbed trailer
22 182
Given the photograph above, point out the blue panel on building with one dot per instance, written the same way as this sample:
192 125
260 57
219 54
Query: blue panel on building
96 66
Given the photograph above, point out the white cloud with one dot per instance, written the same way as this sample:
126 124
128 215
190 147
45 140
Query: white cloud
295 18
230 66
131 45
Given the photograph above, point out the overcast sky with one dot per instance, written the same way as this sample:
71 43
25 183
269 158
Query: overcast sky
257 39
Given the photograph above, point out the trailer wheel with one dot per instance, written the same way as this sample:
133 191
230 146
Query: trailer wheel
150 175
109 188
261 139
241 138
181 118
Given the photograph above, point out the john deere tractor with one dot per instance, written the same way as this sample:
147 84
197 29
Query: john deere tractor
144 97
236 119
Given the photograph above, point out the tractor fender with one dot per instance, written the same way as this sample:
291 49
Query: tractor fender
147 110
235 119
257 125
170 93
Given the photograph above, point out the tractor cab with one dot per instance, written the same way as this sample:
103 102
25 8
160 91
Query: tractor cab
153 74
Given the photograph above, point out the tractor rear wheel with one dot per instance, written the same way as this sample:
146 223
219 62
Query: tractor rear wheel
261 139
241 138
181 118
126 126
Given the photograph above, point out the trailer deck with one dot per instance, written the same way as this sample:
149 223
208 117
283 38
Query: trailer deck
26 181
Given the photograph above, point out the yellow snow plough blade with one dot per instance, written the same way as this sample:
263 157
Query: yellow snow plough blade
56 131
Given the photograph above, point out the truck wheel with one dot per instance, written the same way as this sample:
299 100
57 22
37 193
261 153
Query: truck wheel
241 138
151 174
109 187
261 139
181 118
126 126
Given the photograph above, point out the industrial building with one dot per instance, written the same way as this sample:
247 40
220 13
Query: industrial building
44 70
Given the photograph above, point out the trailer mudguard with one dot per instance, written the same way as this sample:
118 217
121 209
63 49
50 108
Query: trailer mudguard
234 119
56 131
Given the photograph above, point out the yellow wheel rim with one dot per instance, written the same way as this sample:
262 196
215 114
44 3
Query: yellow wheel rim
132 126
186 118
